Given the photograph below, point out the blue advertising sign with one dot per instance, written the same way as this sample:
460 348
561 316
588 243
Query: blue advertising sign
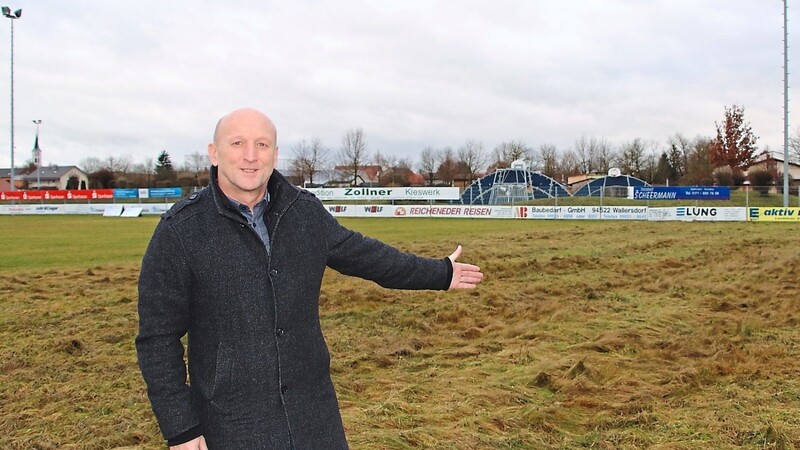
126 193
166 192
681 193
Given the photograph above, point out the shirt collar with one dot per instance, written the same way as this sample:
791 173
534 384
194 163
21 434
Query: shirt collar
246 209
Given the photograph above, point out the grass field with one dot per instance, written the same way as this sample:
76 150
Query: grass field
591 334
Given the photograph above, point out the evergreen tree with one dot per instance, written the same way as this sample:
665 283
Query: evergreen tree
164 170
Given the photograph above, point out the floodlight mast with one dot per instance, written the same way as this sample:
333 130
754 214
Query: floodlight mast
13 16
785 104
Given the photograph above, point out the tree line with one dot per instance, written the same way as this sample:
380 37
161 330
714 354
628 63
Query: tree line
721 159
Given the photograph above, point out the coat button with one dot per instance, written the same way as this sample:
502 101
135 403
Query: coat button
273 272
279 332
193 196
284 389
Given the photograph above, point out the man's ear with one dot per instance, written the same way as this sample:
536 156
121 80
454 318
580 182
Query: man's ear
212 154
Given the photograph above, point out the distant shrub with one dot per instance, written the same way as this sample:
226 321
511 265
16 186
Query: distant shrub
761 180
737 177
723 176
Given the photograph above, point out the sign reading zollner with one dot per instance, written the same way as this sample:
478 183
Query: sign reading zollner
387 193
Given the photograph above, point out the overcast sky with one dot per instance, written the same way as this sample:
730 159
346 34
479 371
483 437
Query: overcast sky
134 78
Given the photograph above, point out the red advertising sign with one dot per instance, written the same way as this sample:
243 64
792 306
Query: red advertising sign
15 195
72 194
32 195
55 195
90 194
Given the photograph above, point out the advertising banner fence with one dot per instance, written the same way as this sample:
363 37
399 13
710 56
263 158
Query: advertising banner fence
680 213
491 212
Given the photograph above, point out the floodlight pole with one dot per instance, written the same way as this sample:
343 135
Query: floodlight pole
13 16
785 105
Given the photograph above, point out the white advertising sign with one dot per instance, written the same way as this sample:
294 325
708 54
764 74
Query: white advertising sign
581 212
31 209
698 213
481 212
386 193
463 211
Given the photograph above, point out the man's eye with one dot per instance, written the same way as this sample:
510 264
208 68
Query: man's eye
236 143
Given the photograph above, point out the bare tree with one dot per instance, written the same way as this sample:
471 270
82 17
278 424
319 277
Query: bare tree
91 164
448 166
678 154
385 162
587 151
548 155
604 155
353 153
507 152
196 162
699 170
143 172
427 165
472 158
651 161
395 171
568 165
118 164
794 144
632 158
310 157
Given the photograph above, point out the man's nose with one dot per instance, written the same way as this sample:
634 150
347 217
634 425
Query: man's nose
250 152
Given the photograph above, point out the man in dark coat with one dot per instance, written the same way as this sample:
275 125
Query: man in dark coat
237 267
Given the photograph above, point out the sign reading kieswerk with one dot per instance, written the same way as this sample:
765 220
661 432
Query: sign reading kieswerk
386 193
681 193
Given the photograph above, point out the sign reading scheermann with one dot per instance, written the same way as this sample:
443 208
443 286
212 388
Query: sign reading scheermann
387 193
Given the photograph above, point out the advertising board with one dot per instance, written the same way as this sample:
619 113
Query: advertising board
774 214
681 193
31 209
697 213
164 192
126 193
582 212
386 193
479 212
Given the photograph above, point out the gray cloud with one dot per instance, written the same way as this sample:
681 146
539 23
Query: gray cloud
125 78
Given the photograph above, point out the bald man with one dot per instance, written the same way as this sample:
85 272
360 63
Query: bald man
237 268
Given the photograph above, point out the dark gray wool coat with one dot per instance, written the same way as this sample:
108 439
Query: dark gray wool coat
257 360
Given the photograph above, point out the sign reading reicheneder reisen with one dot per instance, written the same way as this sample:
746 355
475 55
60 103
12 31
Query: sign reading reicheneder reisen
387 193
